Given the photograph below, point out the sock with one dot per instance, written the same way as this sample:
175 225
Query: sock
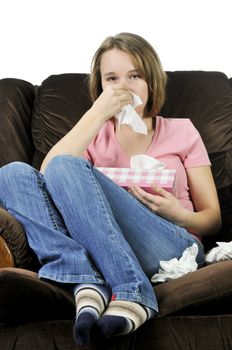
91 301
122 317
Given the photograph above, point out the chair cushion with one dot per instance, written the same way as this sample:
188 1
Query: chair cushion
207 291
25 298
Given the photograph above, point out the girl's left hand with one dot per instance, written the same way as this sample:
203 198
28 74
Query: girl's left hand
161 202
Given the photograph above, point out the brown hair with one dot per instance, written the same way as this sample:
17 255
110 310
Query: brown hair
146 61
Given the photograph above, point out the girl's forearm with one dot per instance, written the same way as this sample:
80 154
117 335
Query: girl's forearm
203 223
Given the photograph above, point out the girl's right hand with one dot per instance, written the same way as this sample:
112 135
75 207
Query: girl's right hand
111 101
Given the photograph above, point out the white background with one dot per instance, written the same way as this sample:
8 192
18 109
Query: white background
44 37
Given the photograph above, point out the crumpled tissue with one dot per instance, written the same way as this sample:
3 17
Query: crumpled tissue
142 161
175 268
220 253
128 115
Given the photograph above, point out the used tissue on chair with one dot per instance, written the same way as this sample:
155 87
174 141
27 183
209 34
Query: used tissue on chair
220 253
175 268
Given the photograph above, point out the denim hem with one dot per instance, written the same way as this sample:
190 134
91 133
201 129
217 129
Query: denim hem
72 279
138 298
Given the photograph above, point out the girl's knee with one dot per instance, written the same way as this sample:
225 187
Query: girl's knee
61 164
14 169
13 177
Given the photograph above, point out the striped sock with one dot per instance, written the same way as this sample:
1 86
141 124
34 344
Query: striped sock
91 301
122 317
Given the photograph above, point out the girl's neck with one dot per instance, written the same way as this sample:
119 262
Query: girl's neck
133 142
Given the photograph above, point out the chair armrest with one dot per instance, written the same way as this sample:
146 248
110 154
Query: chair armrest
6 256
14 247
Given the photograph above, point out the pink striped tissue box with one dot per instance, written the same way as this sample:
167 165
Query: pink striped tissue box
143 178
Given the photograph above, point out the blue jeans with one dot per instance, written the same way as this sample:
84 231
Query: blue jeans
86 229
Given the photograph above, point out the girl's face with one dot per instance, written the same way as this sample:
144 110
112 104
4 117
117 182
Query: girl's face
117 68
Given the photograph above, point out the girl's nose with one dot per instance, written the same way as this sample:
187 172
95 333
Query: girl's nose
123 82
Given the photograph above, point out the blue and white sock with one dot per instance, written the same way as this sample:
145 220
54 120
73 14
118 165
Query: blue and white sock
91 302
123 317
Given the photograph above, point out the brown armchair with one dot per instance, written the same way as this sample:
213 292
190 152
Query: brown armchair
196 309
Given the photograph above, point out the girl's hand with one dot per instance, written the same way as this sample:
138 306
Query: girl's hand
111 101
162 203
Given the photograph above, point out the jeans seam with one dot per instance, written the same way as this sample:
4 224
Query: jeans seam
41 185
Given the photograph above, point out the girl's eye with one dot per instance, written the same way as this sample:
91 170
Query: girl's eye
135 76
111 78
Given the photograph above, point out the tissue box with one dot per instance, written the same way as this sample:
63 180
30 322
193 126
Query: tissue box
143 178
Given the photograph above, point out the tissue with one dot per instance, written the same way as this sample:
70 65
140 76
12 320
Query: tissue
220 253
142 161
129 116
175 268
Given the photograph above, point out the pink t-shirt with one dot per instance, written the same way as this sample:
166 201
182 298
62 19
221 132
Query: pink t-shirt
176 142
